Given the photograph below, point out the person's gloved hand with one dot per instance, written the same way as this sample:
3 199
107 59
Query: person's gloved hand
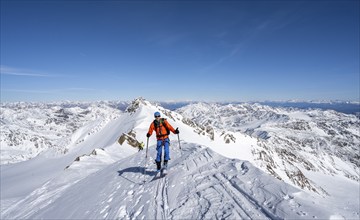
141 146
148 135
177 131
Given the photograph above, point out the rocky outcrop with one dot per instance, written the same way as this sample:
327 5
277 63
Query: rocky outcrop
135 104
130 137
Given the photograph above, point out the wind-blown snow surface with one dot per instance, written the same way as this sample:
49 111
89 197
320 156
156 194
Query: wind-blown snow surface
200 184
107 181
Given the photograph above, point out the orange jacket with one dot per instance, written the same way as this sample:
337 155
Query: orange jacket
160 129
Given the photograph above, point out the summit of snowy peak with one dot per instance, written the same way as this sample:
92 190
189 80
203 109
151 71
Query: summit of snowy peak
97 144
136 103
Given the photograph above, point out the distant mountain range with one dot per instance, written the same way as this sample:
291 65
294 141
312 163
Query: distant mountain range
238 160
289 140
340 106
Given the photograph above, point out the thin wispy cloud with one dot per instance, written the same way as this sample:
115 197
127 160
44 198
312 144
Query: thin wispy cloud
231 53
213 42
279 21
64 90
6 70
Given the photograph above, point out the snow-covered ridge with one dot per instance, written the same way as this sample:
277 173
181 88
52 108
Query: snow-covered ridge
290 141
95 174
27 129
201 184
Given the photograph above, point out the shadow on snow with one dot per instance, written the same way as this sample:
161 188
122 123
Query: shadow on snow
139 171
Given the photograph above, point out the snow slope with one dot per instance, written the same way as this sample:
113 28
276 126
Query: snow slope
200 184
97 178
28 129
291 142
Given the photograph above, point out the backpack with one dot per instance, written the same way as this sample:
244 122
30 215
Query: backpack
161 122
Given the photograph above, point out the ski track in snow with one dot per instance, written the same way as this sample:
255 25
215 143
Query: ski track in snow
220 196
200 184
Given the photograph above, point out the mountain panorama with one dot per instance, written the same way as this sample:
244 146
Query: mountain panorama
230 161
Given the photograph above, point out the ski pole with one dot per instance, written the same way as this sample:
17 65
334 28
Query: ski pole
179 142
147 146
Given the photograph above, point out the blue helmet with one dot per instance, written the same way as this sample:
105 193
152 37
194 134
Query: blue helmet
157 114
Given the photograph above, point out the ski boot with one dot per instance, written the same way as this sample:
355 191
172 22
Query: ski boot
164 170
158 166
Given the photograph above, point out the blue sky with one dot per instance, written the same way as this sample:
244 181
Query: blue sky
179 50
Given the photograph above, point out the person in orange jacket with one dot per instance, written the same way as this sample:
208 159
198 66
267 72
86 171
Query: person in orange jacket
162 129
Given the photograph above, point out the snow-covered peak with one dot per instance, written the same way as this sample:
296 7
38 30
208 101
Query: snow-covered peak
29 129
219 171
136 104
291 142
